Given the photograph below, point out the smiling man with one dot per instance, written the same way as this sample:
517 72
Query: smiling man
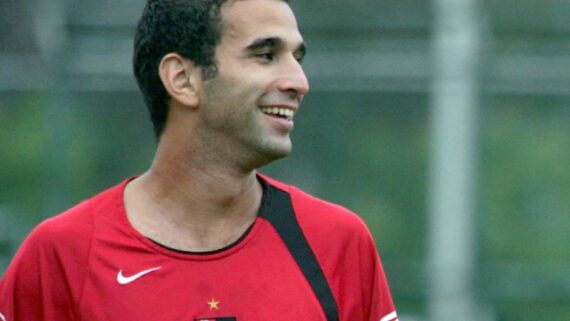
202 235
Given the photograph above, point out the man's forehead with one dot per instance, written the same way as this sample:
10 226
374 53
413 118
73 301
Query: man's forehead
259 19
239 11
230 2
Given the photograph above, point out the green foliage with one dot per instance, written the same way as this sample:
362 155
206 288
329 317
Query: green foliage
524 221
22 135
525 180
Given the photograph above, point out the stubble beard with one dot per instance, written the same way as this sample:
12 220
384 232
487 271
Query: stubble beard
239 134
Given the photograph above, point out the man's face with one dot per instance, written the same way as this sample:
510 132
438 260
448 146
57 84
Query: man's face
248 108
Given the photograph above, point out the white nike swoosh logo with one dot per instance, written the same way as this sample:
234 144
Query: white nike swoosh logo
128 279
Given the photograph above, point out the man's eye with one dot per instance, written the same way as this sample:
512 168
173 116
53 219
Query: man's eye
268 56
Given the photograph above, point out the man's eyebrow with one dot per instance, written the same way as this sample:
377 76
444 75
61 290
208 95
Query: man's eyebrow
272 42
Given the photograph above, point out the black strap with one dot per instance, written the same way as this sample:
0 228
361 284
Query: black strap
279 212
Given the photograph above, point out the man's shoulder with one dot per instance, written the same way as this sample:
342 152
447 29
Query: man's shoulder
334 232
76 223
312 210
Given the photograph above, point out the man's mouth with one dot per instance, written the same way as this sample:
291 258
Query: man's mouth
284 113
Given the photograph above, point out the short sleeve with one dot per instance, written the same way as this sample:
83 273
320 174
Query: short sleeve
381 305
41 280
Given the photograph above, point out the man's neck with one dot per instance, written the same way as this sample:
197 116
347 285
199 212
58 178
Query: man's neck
193 207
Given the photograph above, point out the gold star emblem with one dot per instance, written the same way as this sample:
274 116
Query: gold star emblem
214 304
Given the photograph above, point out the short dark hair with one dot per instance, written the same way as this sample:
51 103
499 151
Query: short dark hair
191 28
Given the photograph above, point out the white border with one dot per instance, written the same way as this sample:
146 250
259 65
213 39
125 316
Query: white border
393 316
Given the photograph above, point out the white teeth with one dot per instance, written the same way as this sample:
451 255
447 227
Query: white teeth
283 112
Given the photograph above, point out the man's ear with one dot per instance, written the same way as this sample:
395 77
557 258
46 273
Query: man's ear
181 79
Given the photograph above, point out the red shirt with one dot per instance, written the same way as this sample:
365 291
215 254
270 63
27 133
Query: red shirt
90 264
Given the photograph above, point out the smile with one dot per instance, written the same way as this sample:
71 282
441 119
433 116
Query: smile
285 113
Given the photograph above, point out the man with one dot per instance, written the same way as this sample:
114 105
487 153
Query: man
201 235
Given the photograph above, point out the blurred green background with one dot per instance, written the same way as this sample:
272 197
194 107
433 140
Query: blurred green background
73 123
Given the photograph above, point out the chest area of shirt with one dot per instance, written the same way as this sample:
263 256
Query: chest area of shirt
262 284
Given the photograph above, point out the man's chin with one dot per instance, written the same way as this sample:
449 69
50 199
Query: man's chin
273 153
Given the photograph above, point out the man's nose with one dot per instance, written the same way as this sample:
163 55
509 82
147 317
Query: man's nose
293 78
